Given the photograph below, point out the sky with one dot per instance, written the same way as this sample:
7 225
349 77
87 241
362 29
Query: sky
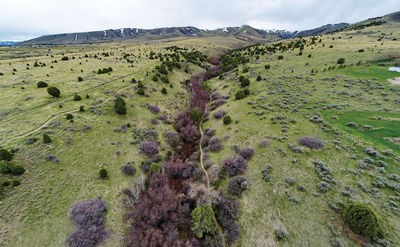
26 19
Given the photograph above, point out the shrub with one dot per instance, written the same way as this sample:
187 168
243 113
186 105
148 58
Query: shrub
176 168
173 139
64 58
164 90
264 143
245 82
120 106
5 167
215 145
361 219
234 166
237 185
80 78
46 138
42 84
16 183
227 120
259 78
280 57
155 214
103 174
77 97
154 108
53 91
5 155
149 148
240 95
281 234
219 114
311 142
69 116
267 66
17 170
202 221
140 91
81 108
89 220
128 170
246 153
341 61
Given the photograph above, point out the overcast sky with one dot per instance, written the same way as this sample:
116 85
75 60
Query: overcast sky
25 19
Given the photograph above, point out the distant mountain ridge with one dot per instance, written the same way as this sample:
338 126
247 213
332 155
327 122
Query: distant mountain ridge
245 32
8 43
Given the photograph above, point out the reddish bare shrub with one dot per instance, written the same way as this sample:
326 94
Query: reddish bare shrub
89 219
210 132
176 168
234 166
190 134
246 153
149 148
311 142
156 216
237 185
264 143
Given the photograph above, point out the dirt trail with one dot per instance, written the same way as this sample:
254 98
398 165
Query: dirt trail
62 114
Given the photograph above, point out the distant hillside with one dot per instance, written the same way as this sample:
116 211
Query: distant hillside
312 32
244 32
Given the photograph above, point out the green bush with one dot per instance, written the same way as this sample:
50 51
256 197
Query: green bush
203 221
16 182
154 168
240 94
140 91
280 57
164 90
259 78
69 116
46 138
42 84
362 220
5 154
80 78
77 97
267 66
9 168
103 174
341 61
53 91
120 106
81 108
227 120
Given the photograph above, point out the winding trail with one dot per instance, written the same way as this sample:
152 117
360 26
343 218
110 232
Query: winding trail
62 114
219 228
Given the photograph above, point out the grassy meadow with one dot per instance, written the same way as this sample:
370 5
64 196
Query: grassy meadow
297 96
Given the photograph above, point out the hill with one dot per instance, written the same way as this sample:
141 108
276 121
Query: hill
206 140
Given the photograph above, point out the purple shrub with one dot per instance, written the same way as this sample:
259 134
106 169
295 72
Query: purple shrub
311 142
128 169
173 139
178 169
219 114
154 109
246 153
227 212
264 143
234 166
154 121
89 219
237 185
190 134
210 132
149 148
215 145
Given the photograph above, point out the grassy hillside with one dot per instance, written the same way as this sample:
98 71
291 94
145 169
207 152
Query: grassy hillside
296 89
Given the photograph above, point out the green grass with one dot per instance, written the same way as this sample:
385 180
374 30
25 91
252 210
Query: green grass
372 71
384 125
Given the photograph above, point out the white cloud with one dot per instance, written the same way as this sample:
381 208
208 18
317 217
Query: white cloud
30 18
